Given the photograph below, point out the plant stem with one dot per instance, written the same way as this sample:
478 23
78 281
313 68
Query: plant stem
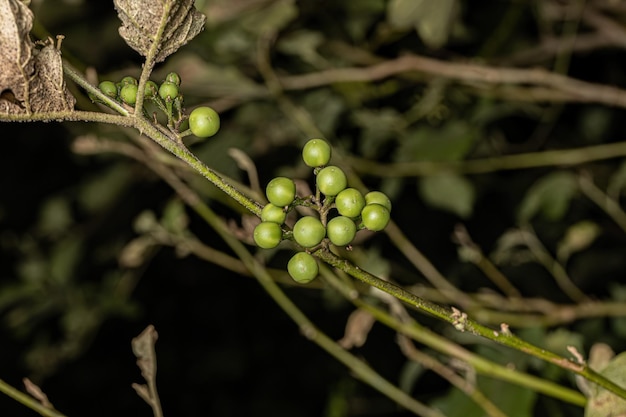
28 401
308 329
463 323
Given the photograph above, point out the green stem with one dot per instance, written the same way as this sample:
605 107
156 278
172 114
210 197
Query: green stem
28 401
308 329
463 323
493 164
431 339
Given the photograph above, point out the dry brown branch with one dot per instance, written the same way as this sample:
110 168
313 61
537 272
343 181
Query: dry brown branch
466 73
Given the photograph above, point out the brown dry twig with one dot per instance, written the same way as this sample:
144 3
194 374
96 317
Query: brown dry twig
467 73
143 348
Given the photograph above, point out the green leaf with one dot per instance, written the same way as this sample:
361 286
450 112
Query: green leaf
449 192
432 19
513 400
578 237
549 197
450 142
303 44
272 18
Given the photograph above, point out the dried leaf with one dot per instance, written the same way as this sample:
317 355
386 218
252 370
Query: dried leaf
142 20
359 324
17 64
30 80
47 88
143 348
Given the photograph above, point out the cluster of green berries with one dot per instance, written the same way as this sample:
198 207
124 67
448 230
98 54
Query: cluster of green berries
355 211
203 121
126 89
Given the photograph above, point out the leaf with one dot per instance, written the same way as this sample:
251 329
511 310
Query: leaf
142 21
550 196
513 400
602 402
271 18
47 88
449 192
451 142
16 49
31 80
303 44
431 19
143 349
577 238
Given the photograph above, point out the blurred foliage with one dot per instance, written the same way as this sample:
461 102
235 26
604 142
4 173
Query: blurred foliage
92 248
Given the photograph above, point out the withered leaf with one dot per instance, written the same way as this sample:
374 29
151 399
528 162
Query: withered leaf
141 20
143 348
47 88
17 64
31 80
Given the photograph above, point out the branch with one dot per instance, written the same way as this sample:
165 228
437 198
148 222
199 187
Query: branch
467 73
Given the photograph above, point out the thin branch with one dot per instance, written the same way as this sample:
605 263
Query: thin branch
28 401
563 157
415 331
610 206
411 352
465 73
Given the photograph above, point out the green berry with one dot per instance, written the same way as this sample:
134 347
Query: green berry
375 217
173 78
376 197
331 180
281 191
267 235
168 90
128 94
272 213
204 122
128 80
302 267
341 230
151 90
108 88
308 231
316 153
350 202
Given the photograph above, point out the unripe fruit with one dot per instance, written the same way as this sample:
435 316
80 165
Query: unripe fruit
128 94
168 90
308 231
272 213
108 88
128 80
203 121
302 267
316 153
151 90
281 191
341 230
375 217
350 202
173 78
267 235
376 197
331 180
